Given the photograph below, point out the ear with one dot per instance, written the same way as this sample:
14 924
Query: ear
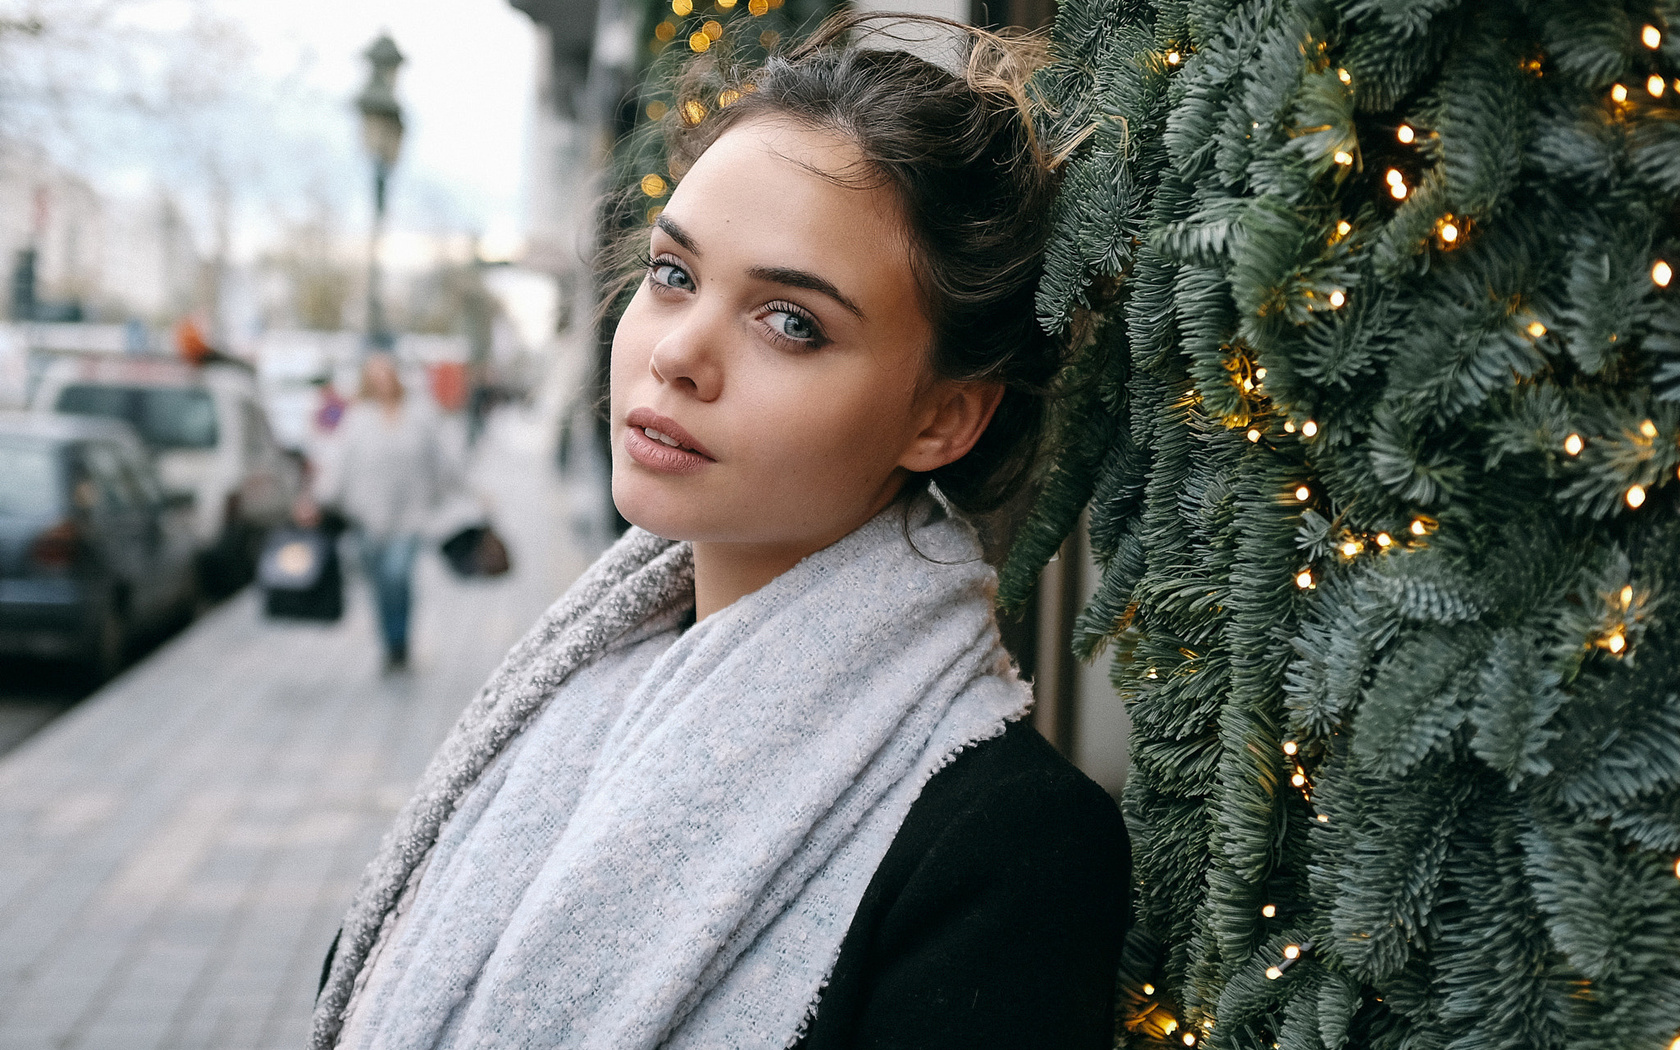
956 416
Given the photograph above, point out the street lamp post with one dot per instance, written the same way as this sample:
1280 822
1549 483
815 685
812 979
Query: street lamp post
382 133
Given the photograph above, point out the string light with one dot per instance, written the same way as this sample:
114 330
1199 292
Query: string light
1303 493
1338 299
1635 496
726 5
656 109
1449 231
1654 84
1616 642
1189 1038
1289 426
728 97
1248 386
1618 92
1677 875
1351 548
1627 595
1676 1044
1343 228
1324 818
1419 527
682 8
653 185
1174 58
1273 973
1253 434
1343 157
1270 910
693 111
1648 428
1292 951
1290 747
1299 779
758 8
1661 273
654 212
665 31
1573 444
1396 184
1405 134
1304 579
1384 539
1344 76
712 28
1148 989
1650 37
1536 329
1309 429
698 41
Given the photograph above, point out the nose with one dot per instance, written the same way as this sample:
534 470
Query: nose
689 356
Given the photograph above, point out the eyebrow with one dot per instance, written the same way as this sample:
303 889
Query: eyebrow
783 275
803 279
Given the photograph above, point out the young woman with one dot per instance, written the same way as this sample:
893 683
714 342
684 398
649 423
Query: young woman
762 777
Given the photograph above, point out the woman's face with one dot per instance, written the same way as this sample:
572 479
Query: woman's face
779 340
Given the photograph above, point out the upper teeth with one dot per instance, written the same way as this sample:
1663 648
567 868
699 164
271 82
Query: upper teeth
657 436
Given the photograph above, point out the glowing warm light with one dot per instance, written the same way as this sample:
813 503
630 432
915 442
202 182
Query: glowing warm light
1148 989
1309 429
1338 298
1253 434
1384 539
1299 780
1651 38
1289 426
758 7
1419 527
1536 329
1343 228
1618 92
1394 177
1292 951
1304 579
1189 1039
726 5
1303 493
656 110
1616 642
1247 385
1654 85
1270 910
1449 232
698 42
665 31
1635 496
1677 875
1324 818
693 110
1344 76
654 212
1627 595
1573 444
1662 273
728 97
1290 747
1648 428
1351 548
1174 58
1342 157
1398 191
653 185
769 39
1405 134
712 28
682 8
1273 973
1259 373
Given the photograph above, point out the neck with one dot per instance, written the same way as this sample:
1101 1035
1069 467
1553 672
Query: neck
724 572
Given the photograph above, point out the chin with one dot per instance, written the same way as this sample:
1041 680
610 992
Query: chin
664 514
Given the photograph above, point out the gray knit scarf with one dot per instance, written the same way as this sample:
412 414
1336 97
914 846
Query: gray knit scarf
691 885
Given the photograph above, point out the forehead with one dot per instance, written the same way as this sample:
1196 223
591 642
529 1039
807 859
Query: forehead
773 186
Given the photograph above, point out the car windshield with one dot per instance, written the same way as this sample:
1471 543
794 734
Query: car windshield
29 477
166 417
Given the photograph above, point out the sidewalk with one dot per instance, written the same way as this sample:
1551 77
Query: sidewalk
176 852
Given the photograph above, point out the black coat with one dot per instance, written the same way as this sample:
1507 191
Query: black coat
995 920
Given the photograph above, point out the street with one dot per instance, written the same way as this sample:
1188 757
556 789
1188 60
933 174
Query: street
180 846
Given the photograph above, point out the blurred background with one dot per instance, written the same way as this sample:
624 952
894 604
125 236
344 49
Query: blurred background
213 215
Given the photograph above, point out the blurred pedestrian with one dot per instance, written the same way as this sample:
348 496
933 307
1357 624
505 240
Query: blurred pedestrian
386 472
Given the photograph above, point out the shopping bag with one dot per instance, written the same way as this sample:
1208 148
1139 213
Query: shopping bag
477 550
300 576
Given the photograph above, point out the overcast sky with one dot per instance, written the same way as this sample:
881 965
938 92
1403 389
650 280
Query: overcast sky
281 126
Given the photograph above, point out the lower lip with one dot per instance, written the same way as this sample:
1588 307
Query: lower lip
656 455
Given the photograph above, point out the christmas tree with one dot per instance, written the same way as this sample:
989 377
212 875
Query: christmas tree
1374 402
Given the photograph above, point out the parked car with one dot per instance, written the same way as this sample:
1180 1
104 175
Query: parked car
210 436
94 552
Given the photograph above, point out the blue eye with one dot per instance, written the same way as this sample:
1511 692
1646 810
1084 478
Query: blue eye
792 325
670 275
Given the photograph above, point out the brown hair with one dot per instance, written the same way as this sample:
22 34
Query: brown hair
965 159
